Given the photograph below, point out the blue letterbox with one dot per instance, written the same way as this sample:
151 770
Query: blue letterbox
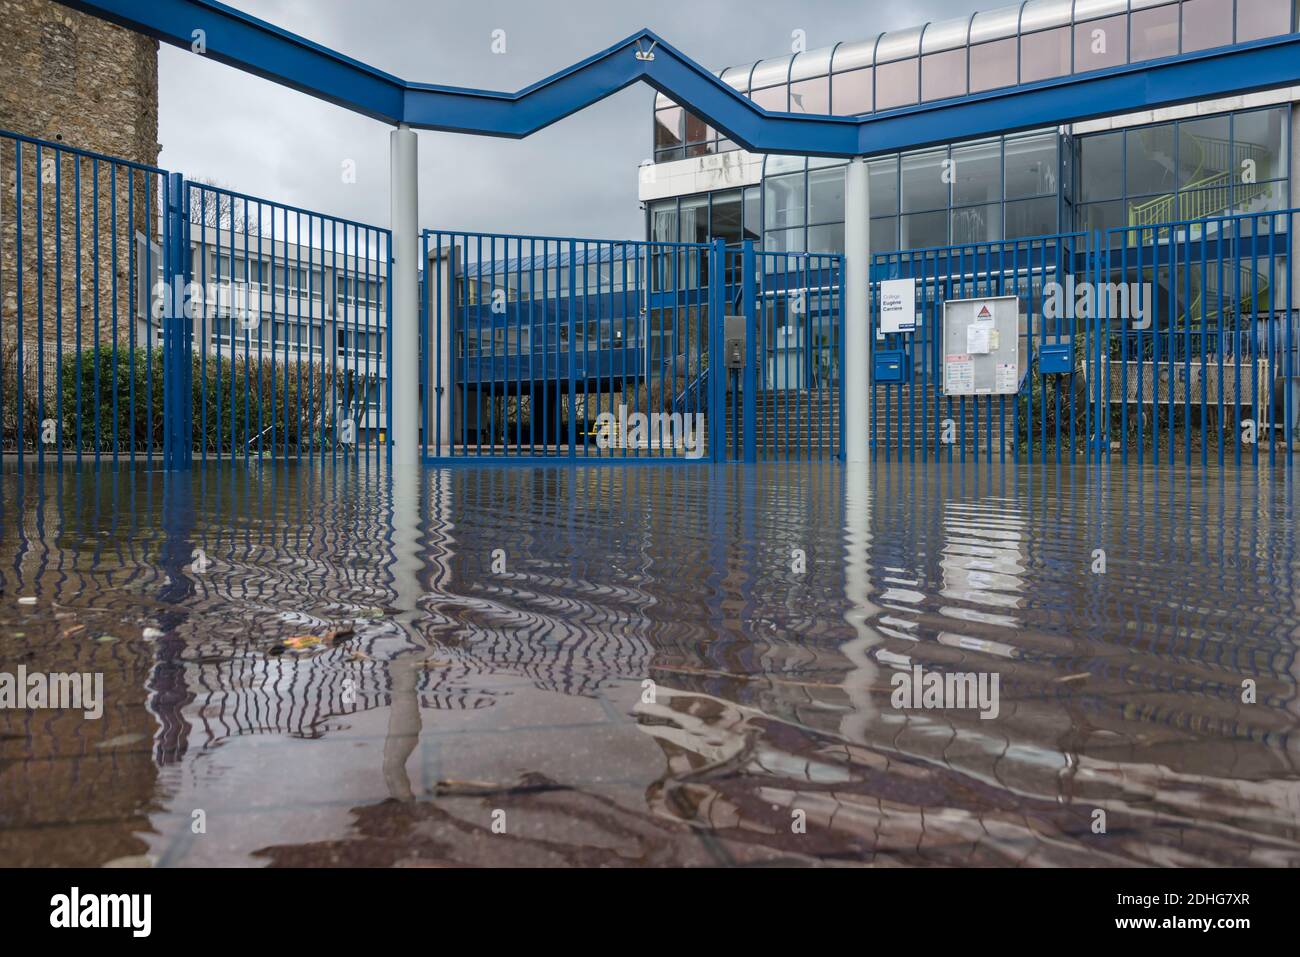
892 366
1056 358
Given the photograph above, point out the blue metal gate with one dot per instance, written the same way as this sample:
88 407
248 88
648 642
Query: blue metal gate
539 348
786 403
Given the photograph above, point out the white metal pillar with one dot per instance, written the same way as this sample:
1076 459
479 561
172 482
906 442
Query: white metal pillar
403 328
856 319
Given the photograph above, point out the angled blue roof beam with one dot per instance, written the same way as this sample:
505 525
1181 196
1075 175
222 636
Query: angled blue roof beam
257 47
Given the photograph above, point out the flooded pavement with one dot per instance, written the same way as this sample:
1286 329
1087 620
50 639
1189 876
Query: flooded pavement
653 666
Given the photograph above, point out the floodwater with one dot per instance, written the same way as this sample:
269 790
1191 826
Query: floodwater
652 666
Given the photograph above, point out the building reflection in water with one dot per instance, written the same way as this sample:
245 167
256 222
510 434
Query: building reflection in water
633 667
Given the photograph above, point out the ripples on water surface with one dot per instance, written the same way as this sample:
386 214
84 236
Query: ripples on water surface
466 690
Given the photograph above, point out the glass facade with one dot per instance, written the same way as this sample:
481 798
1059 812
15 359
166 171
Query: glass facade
1189 169
1003 188
1033 41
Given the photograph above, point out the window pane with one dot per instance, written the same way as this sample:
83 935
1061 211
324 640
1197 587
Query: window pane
943 74
1206 24
1030 217
977 224
1101 166
1154 33
1262 18
882 175
693 220
784 241
668 127
663 221
696 129
1044 54
976 173
724 222
663 156
1204 152
784 200
1100 43
1148 152
851 92
923 185
1199 203
895 84
1259 136
773 98
811 96
884 234
1253 197
700 149
993 65
753 204
826 195
924 229
828 238
1031 168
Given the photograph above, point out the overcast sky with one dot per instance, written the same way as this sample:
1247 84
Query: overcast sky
577 177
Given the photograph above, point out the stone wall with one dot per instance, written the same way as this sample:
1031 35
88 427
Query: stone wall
78 82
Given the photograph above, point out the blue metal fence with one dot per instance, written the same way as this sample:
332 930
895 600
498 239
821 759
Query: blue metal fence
1166 342
1205 365
147 318
545 348
289 311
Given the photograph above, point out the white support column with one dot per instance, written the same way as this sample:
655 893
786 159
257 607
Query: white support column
403 324
856 319
1291 201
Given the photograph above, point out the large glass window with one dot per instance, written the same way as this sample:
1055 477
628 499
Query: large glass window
1032 167
668 133
811 96
1030 217
1154 32
826 195
882 180
663 221
1206 24
1259 142
693 219
1045 54
896 84
851 92
977 224
919 230
1100 43
784 201
925 181
1262 18
1149 159
976 173
1192 169
726 220
943 74
1101 166
1204 152
774 98
993 65
753 213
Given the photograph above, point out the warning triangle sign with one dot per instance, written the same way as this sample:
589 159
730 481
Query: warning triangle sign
984 312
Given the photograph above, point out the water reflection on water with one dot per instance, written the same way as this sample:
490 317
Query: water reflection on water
492 706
